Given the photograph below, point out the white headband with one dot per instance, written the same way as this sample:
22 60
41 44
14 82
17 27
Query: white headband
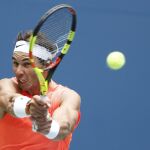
38 51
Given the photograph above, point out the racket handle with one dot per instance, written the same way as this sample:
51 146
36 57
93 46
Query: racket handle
34 122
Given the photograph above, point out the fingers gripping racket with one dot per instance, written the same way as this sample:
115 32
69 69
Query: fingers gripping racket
55 31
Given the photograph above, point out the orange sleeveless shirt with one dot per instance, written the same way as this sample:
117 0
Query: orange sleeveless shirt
17 134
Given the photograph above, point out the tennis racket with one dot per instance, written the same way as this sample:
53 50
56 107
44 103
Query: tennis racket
58 26
55 32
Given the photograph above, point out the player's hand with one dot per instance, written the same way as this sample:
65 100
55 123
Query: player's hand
39 107
42 125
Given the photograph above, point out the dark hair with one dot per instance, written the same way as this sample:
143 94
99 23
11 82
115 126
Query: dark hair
41 40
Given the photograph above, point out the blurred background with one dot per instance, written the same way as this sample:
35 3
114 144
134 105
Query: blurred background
115 104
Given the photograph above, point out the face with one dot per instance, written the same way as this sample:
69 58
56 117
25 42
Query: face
27 79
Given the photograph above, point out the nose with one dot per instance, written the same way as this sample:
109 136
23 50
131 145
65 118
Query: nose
19 70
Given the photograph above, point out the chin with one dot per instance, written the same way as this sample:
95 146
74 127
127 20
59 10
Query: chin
25 87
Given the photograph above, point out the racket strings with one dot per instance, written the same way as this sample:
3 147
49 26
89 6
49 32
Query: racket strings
55 30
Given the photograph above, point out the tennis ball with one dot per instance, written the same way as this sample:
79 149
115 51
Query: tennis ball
115 60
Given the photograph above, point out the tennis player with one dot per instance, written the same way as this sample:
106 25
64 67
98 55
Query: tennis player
20 102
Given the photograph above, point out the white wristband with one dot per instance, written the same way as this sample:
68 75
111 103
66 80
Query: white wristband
54 130
20 106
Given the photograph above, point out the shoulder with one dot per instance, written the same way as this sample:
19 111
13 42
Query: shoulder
65 91
9 84
68 92
71 98
64 95
5 81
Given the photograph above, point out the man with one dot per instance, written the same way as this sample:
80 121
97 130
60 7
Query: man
20 102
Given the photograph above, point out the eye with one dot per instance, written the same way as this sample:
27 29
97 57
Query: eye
26 64
15 63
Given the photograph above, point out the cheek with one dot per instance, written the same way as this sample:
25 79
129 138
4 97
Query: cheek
33 76
14 70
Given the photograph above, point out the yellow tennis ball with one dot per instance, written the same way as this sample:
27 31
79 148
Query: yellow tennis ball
115 60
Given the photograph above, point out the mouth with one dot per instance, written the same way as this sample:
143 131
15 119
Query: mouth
22 81
24 84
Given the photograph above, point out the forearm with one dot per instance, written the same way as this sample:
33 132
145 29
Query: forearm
7 103
3 103
67 120
64 130
67 115
8 90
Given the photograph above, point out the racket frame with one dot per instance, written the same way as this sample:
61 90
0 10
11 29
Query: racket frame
39 72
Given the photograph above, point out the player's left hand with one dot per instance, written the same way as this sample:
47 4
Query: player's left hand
38 106
39 111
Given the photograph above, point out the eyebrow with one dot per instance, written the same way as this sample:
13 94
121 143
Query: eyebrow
24 59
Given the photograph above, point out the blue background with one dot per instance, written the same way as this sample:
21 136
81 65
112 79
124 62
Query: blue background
115 104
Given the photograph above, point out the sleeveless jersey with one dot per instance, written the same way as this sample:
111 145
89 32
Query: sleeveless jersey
17 134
